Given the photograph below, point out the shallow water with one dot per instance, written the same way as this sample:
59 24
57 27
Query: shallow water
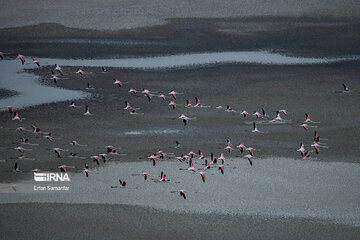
196 59
28 89
271 187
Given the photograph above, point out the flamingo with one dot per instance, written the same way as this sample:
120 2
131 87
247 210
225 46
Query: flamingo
89 87
16 168
128 107
242 147
306 155
173 94
133 112
21 57
221 168
58 151
185 118
257 114
118 82
277 118
173 104
35 129
229 148
17 117
229 109
316 147
244 113
64 167
2 55
264 115
21 149
73 105
146 175
346 88
162 96
222 158
75 143
202 176
36 62
80 71
306 127
197 100
133 91
201 155
301 149
177 144
104 69
249 158
188 103
183 193
59 69
86 171
96 159
11 109
74 155
87 111
154 159
307 120
255 129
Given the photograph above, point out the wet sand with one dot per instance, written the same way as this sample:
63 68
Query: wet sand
315 89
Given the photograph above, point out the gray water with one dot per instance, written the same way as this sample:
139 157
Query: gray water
198 59
271 187
28 89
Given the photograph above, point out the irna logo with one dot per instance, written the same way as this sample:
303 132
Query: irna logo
51 177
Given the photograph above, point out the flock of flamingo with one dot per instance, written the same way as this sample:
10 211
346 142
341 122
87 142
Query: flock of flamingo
189 158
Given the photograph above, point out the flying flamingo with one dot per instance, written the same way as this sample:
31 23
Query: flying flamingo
21 57
118 82
59 69
188 103
202 176
307 120
346 88
185 119
2 55
80 71
301 149
75 143
128 107
11 109
64 167
87 111
133 91
183 193
73 105
277 118
249 158
257 114
36 62
173 104
255 129
306 127
229 109
17 117
222 158
244 113
229 148
242 147
221 168
173 94
58 151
